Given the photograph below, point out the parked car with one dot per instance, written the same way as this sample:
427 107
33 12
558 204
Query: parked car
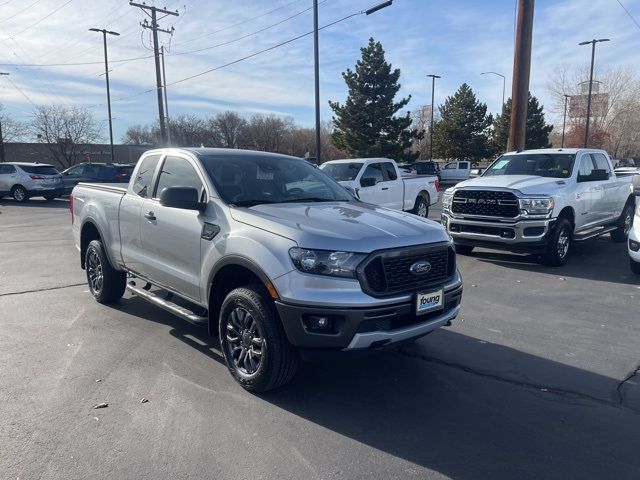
279 255
96 173
455 171
634 233
24 180
379 181
627 171
540 201
423 168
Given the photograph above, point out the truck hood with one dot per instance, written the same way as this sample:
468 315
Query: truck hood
527 184
352 227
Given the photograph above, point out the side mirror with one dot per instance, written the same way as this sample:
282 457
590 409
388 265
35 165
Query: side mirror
367 182
354 192
598 175
635 185
181 197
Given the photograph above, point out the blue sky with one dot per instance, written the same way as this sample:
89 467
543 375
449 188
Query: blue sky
457 39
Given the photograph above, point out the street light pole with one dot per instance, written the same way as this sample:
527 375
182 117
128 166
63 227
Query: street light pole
433 87
564 118
106 73
2 156
316 66
593 55
503 85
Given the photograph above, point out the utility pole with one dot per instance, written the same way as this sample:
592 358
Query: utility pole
166 103
433 88
521 73
316 66
106 73
593 55
2 155
153 26
564 118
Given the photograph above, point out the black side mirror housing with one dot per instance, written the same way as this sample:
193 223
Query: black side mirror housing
598 175
367 182
181 197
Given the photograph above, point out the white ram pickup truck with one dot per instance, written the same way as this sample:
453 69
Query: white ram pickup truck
379 181
540 201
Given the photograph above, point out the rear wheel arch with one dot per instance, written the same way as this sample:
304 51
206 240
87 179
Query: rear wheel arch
88 232
569 214
230 273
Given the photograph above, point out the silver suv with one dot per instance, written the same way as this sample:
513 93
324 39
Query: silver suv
23 180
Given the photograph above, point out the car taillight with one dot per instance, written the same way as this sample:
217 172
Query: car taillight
71 207
437 185
120 176
36 177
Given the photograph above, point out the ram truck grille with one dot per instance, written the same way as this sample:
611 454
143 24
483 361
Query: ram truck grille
486 203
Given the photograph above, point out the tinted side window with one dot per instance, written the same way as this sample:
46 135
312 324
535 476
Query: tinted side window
7 169
178 172
451 166
586 165
77 170
601 162
144 177
391 171
464 165
92 171
374 170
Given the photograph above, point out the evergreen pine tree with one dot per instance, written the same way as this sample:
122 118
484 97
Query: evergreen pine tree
537 134
366 125
462 131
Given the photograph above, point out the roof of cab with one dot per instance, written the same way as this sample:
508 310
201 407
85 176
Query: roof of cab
227 152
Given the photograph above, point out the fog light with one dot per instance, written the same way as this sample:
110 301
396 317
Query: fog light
318 323
634 246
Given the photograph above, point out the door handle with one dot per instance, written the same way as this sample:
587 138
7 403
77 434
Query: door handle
385 188
150 216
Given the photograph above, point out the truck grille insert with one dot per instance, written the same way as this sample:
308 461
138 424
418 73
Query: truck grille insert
389 272
486 203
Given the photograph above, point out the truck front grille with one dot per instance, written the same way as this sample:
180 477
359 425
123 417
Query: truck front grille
487 203
389 272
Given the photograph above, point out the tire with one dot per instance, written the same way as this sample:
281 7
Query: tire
421 208
625 223
106 284
463 249
635 266
248 319
559 245
48 198
19 194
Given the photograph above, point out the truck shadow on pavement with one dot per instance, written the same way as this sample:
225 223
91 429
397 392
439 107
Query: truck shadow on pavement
36 202
447 403
596 259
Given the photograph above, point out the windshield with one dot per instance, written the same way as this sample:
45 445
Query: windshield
342 172
40 169
252 180
554 165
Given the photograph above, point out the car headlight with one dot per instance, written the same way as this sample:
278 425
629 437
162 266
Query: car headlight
323 262
536 206
447 197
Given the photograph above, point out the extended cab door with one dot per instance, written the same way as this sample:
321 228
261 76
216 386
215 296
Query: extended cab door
614 194
141 187
171 236
371 181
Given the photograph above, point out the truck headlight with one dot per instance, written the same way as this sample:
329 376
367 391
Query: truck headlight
323 262
447 197
536 206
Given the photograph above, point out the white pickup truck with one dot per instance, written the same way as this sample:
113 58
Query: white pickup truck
540 201
455 171
379 181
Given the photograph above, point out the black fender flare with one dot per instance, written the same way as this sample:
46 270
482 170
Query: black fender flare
93 222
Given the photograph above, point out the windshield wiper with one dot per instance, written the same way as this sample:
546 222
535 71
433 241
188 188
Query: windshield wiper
250 203
310 199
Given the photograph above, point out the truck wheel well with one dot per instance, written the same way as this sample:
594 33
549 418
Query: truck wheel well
228 278
568 213
88 233
424 194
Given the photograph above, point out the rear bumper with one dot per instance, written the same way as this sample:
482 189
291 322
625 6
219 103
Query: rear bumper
521 235
35 191
367 327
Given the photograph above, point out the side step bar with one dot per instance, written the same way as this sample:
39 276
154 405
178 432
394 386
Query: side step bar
594 233
177 310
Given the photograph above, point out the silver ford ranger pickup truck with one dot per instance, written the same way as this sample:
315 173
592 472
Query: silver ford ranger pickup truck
267 252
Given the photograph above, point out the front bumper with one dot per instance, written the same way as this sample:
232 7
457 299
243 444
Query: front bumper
523 234
368 327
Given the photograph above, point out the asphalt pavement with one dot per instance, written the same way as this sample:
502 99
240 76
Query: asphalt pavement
535 380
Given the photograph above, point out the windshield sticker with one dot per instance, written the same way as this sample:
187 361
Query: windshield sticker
263 174
501 164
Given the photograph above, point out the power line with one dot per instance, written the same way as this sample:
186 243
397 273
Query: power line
23 94
628 13
41 20
238 23
20 11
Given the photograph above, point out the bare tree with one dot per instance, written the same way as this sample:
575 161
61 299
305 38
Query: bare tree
268 132
65 130
12 130
140 135
229 128
421 121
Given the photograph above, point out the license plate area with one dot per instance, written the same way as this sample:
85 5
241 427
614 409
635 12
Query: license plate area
429 301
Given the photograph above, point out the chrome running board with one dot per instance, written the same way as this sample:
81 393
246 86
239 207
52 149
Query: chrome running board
167 305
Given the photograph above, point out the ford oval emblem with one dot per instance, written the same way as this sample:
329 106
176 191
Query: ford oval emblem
420 268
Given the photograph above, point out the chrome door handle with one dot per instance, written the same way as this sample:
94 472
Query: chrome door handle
150 215
385 188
